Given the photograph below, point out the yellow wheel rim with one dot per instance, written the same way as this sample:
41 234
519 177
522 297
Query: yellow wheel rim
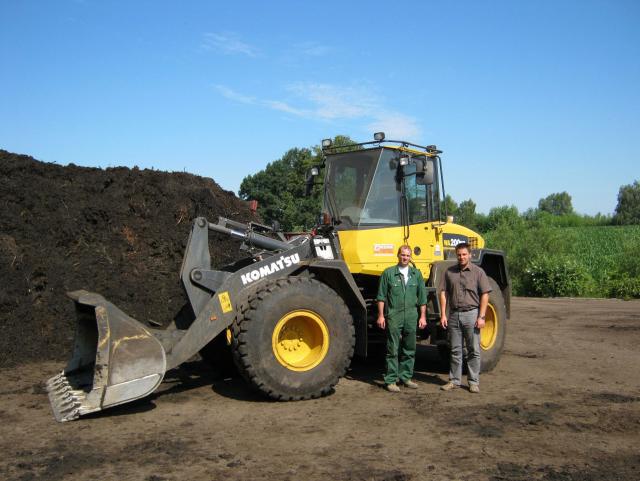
489 333
300 340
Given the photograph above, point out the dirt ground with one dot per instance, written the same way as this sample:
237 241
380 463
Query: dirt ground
563 404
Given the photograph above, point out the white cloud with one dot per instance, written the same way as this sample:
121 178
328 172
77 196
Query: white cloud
396 126
284 107
333 103
228 43
233 95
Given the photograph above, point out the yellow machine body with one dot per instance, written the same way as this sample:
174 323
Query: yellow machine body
371 251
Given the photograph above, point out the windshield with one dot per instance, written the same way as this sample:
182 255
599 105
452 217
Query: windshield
361 189
382 205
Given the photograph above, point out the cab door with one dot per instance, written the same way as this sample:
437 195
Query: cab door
422 208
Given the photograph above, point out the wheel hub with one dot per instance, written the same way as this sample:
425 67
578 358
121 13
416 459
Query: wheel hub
300 340
291 338
489 333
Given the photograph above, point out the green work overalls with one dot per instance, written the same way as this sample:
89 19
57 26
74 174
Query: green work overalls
401 313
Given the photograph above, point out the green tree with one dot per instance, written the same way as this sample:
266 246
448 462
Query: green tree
556 204
506 215
280 188
467 214
448 206
628 208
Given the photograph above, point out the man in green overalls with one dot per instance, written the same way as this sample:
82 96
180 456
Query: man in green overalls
401 295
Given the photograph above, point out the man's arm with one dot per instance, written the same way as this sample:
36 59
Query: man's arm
485 288
422 300
422 322
482 311
381 321
382 298
442 286
443 309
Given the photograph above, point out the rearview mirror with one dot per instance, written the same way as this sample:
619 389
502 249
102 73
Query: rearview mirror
310 182
425 171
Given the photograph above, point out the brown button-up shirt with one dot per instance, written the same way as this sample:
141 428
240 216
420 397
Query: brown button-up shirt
464 286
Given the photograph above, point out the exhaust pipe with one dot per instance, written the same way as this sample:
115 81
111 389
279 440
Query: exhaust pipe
116 359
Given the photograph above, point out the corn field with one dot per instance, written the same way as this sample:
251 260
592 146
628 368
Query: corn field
601 249
586 261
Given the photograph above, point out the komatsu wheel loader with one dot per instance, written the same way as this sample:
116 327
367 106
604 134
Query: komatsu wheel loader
294 311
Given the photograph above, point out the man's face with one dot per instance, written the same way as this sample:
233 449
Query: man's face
463 257
404 257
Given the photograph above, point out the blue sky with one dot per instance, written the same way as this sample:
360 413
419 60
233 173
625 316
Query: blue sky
524 98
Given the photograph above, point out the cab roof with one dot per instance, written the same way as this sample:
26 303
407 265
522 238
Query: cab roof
400 145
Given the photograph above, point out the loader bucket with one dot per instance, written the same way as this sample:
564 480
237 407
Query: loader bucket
115 359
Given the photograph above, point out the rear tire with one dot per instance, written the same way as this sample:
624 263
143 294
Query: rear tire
493 333
295 340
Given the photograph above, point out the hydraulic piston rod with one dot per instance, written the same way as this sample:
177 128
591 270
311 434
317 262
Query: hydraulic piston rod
243 232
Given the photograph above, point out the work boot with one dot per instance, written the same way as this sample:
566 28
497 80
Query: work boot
410 384
393 388
474 388
449 386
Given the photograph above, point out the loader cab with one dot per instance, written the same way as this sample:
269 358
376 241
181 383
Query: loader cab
383 194
381 185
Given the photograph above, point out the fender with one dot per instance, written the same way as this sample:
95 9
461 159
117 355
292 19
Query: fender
492 262
335 274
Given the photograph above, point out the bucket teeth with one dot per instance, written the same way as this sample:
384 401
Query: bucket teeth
66 402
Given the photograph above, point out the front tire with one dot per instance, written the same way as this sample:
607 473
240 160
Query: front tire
295 340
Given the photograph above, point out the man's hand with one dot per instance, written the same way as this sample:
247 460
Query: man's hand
381 323
422 323
480 322
443 321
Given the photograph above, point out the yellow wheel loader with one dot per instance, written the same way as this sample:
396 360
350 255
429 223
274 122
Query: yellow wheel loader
296 309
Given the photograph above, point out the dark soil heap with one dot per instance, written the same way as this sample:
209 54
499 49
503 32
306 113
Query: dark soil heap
119 232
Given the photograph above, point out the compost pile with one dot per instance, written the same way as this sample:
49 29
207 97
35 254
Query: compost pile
119 232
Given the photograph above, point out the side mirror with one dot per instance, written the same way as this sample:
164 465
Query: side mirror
310 182
425 171
400 161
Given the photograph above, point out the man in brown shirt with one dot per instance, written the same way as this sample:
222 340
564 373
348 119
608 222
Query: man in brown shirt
466 288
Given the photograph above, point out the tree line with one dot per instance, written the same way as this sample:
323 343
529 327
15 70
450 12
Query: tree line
555 209
279 189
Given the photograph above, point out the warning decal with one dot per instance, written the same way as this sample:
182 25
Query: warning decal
225 302
383 249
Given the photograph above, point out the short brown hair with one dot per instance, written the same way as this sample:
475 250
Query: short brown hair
463 245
